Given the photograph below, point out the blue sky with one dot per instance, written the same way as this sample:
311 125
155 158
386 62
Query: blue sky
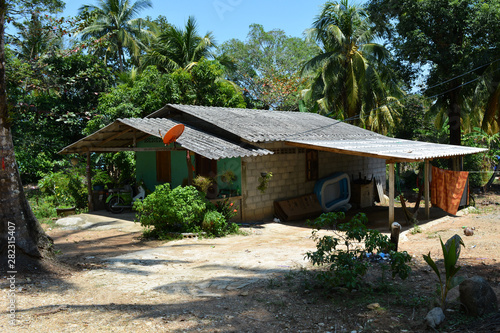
229 19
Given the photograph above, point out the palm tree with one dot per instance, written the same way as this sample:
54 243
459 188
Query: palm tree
487 95
177 48
350 77
115 19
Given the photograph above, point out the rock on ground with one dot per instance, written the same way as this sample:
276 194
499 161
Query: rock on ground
435 317
478 297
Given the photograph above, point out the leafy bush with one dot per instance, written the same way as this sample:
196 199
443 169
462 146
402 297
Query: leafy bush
344 255
66 188
483 162
101 177
215 224
226 208
178 210
42 206
183 209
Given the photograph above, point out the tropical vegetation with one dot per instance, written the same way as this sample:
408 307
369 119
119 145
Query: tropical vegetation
350 78
115 25
168 212
415 69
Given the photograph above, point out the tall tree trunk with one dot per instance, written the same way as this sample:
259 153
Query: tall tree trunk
120 55
18 225
454 112
454 115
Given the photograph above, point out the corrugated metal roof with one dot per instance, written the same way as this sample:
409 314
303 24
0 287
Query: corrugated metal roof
313 131
121 134
392 149
216 132
267 126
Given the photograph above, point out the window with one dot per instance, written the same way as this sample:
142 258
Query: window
163 167
205 166
312 166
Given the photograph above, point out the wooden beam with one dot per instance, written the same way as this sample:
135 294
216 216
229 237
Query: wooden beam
391 194
426 190
89 184
115 136
118 149
143 137
189 167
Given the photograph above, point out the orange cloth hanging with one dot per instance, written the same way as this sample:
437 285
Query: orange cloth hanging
447 188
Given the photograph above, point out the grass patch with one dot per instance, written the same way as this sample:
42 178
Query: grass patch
416 229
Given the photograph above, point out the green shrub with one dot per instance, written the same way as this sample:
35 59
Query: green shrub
344 254
226 208
66 188
215 224
481 163
42 207
178 210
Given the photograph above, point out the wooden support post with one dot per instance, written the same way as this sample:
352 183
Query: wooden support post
391 194
189 167
89 183
395 231
426 190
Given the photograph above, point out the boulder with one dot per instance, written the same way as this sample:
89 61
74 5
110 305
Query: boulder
477 297
435 317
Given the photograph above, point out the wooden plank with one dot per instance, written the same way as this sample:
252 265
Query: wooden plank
117 149
111 138
391 194
89 184
163 167
380 190
426 190
298 208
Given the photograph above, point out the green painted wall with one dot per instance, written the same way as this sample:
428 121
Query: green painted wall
179 168
146 167
146 162
234 165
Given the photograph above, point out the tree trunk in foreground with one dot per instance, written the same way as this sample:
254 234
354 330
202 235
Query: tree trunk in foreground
20 232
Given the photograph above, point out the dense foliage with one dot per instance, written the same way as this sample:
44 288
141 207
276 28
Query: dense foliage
345 255
182 209
267 66
176 48
454 41
350 77
67 77
65 188
53 99
201 85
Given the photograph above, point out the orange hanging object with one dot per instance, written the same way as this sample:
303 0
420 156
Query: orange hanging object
173 134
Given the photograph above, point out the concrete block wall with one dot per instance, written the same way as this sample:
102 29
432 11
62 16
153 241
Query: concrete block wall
288 166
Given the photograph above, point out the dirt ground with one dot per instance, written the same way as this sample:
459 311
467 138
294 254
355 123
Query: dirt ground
113 281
